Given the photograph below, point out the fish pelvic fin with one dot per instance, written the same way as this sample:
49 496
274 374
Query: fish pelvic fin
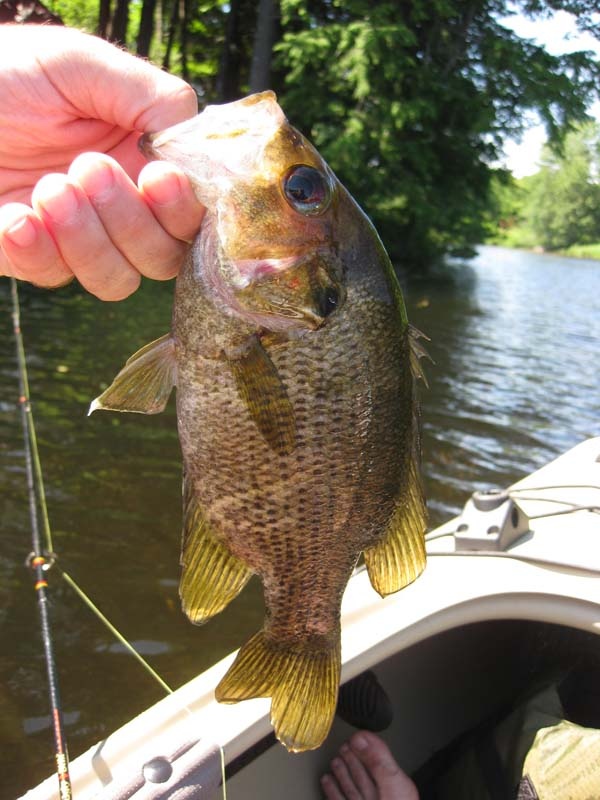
265 396
145 382
399 558
303 683
211 575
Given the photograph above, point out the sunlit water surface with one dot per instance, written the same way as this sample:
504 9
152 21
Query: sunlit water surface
515 338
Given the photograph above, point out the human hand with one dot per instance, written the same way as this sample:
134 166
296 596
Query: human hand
65 211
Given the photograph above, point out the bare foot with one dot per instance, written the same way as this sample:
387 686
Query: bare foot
366 770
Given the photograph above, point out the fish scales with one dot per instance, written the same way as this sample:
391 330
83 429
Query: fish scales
296 414
290 514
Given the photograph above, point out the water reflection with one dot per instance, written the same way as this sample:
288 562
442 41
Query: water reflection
514 337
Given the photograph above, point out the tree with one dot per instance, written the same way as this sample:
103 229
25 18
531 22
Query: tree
119 22
103 18
564 202
146 29
266 30
410 100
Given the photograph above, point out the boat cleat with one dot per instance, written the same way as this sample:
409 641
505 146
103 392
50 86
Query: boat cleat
491 520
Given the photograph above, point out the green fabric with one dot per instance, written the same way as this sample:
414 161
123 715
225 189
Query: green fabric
564 762
560 759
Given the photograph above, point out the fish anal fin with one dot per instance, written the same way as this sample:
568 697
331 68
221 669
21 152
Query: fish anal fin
260 386
399 558
303 683
211 575
145 382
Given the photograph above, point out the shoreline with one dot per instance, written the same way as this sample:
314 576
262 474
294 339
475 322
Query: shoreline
583 252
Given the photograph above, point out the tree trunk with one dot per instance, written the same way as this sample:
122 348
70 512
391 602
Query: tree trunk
146 31
120 20
183 39
228 79
171 35
264 38
103 19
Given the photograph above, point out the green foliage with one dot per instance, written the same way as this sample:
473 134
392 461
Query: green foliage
564 203
558 208
82 14
412 102
505 219
583 251
408 100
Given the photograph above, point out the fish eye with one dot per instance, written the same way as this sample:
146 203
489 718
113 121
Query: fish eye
307 190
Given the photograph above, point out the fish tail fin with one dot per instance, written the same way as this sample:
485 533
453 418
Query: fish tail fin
303 683
399 558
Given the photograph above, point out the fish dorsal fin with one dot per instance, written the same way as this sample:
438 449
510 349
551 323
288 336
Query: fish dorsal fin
302 682
145 382
260 386
211 576
399 557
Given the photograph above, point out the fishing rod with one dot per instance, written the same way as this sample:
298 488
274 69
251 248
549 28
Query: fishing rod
39 560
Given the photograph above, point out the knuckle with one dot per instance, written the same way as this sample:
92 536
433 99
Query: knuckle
113 287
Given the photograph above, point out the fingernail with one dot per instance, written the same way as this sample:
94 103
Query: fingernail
62 206
21 233
99 182
359 742
165 192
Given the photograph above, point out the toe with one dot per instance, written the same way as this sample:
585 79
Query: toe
391 782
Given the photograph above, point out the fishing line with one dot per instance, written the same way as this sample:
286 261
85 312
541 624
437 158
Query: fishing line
115 632
138 656
593 508
40 560
546 562
554 486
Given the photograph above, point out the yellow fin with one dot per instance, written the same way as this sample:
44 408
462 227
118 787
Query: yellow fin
145 382
302 682
211 575
266 398
399 557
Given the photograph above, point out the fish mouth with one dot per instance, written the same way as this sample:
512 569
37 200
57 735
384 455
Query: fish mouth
226 133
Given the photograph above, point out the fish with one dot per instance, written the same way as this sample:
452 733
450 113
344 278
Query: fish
295 370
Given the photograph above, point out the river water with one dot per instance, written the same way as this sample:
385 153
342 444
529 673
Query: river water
515 338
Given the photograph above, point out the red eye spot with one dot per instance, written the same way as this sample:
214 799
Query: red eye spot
294 283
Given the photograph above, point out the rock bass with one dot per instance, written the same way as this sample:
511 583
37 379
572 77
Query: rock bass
295 370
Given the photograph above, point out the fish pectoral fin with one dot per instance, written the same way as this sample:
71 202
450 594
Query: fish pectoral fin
303 684
399 558
211 576
417 351
262 390
145 382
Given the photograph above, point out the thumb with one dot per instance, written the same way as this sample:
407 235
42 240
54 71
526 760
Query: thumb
107 83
